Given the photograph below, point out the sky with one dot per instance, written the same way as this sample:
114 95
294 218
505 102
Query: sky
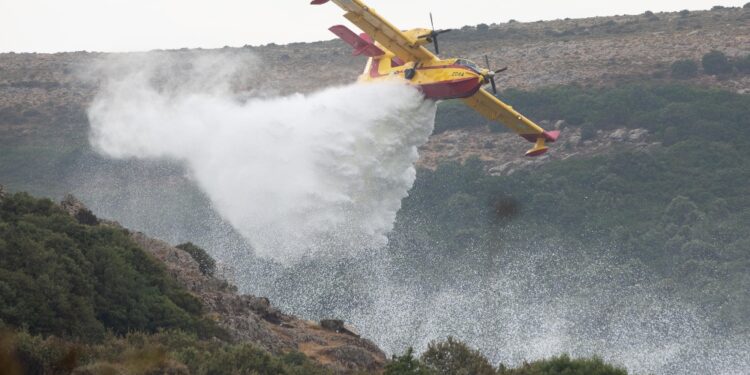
140 25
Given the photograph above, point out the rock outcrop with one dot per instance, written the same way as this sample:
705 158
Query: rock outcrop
253 319
503 154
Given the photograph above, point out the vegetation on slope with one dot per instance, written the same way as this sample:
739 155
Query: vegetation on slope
452 357
83 297
682 209
166 352
77 295
60 277
671 112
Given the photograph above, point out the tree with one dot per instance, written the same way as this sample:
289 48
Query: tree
716 63
684 69
452 357
483 27
206 264
406 365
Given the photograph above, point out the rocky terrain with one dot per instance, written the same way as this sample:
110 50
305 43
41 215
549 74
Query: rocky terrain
253 319
47 93
503 154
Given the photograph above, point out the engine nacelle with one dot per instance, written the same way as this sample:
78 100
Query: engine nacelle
415 34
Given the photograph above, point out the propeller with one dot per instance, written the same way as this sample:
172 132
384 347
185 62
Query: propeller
490 76
433 36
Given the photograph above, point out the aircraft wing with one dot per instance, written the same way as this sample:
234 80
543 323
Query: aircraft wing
494 109
381 30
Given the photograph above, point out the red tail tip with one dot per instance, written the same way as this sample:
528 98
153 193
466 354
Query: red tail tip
552 136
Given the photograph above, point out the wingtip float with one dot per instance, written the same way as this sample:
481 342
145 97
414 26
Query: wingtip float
396 53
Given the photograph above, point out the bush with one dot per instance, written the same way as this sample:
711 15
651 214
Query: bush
59 277
716 63
564 365
684 13
483 27
684 69
407 365
167 352
743 65
206 264
453 357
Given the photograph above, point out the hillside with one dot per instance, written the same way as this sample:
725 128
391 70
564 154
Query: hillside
628 241
100 280
45 96
122 303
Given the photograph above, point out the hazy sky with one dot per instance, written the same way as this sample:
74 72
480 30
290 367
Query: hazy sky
131 25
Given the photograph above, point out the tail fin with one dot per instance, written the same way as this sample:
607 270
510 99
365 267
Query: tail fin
360 45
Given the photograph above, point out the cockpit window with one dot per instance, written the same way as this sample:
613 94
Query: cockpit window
469 65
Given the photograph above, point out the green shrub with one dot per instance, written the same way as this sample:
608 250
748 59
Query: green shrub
563 365
59 277
166 352
743 64
452 357
684 69
407 365
86 217
716 63
35 355
206 264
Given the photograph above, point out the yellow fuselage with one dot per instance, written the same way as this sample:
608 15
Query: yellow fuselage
438 79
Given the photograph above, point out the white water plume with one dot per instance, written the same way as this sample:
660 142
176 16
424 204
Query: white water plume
295 175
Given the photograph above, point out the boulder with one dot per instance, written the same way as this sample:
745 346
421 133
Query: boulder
262 307
339 326
637 134
618 135
334 325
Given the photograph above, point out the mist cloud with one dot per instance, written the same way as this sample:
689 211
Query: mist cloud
295 175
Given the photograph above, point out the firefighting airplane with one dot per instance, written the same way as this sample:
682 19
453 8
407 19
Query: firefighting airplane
396 53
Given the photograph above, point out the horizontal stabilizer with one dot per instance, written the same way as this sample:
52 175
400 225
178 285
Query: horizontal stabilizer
547 136
360 45
540 146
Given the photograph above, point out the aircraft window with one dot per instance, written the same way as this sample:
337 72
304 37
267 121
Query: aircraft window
468 64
